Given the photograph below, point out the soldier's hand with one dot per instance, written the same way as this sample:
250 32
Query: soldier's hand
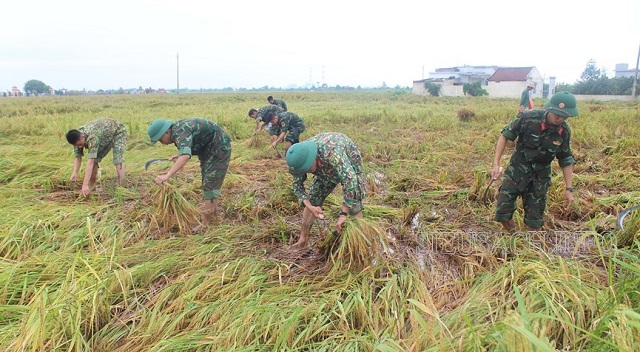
73 178
162 178
86 191
568 195
496 172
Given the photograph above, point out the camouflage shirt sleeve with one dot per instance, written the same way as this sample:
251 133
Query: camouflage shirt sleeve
298 186
512 130
564 155
92 144
183 139
78 152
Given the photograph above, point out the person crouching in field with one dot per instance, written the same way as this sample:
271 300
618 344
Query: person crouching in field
333 159
260 114
285 126
277 102
207 140
98 137
542 135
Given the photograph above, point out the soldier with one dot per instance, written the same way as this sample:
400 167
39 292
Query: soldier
278 102
207 140
334 159
526 102
284 124
260 114
98 137
542 135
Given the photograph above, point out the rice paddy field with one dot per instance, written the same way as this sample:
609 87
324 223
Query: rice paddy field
426 269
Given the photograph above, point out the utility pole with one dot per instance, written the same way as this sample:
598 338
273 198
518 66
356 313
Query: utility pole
635 76
178 72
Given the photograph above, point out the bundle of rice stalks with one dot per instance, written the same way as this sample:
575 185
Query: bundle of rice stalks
465 115
361 244
255 140
173 211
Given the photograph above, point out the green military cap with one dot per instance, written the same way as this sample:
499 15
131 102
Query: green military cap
562 104
157 128
301 156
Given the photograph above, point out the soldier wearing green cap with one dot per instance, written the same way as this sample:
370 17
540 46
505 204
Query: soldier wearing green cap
285 126
333 159
207 140
98 137
542 135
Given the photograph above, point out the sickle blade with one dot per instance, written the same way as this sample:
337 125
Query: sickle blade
151 162
625 213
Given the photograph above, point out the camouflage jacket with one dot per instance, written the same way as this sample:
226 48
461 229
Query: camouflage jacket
99 137
539 142
194 136
280 103
263 111
287 121
340 163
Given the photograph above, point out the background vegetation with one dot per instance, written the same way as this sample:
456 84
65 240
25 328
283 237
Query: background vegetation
425 270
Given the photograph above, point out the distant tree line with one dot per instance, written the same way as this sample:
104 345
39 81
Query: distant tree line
594 81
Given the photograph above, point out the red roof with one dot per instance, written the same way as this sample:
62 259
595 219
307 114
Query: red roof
511 74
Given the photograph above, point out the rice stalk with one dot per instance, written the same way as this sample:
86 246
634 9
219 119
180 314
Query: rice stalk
173 210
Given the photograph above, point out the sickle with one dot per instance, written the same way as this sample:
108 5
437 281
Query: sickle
153 161
625 213
484 195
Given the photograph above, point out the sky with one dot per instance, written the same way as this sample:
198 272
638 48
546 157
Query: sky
198 44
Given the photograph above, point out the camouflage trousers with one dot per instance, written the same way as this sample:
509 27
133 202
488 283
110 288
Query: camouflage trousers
214 165
293 136
319 190
119 146
534 200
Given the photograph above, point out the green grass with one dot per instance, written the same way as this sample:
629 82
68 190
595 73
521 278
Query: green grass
425 270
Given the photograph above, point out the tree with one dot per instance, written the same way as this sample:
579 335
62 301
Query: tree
474 89
432 88
36 87
592 73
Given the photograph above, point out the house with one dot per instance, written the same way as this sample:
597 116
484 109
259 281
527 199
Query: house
452 79
622 70
15 92
508 82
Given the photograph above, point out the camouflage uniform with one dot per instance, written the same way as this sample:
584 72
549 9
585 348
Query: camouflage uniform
207 140
280 103
263 111
529 170
340 163
101 136
290 123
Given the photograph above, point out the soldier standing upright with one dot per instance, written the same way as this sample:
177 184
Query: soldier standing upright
542 135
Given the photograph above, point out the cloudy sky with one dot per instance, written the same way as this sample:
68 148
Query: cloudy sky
87 44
